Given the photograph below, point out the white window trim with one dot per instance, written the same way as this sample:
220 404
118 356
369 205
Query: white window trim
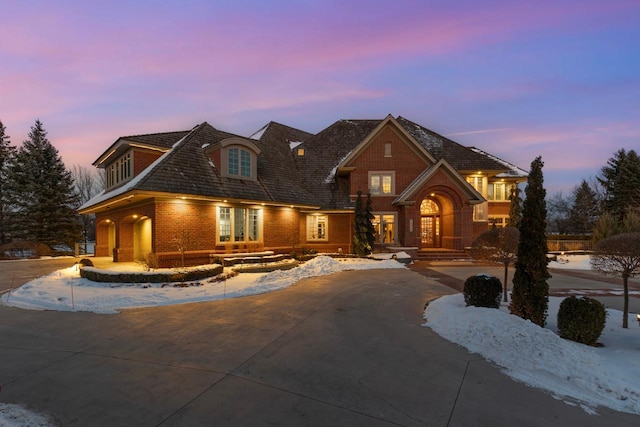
233 222
312 225
491 195
382 174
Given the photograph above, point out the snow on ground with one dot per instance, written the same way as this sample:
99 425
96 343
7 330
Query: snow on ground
571 262
576 373
17 416
65 290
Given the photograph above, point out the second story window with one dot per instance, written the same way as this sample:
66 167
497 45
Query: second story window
498 191
119 171
381 183
239 162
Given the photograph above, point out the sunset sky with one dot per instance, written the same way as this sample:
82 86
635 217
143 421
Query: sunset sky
518 79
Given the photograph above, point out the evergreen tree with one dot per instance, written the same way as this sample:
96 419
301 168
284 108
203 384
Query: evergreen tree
620 179
515 207
371 231
361 225
42 193
585 211
530 295
7 152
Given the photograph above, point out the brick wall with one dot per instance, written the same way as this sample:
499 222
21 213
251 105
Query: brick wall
189 222
143 159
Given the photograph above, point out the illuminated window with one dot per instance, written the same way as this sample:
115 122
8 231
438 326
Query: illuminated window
317 227
239 224
384 226
381 183
498 191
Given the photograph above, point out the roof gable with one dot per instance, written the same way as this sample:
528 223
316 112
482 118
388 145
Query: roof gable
442 165
388 121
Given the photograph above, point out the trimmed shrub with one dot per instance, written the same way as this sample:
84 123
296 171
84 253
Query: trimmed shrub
581 319
482 290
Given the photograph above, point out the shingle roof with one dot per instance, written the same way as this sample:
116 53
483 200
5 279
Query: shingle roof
162 140
283 176
460 157
323 153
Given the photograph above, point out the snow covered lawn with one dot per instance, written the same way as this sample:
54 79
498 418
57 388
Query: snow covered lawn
578 374
65 290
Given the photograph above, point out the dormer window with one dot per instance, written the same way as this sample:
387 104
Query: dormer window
239 162
239 158
119 171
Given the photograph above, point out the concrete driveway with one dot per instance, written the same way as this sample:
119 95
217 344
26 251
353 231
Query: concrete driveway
346 349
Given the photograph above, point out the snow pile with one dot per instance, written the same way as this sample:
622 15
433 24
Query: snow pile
572 262
590 376
65 290
16 415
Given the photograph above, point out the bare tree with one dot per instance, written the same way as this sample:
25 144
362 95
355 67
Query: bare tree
619 256
498 245
88 183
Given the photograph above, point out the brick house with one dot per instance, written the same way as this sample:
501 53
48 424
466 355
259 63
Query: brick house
208 192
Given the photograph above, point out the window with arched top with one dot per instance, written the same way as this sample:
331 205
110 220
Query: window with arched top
429 207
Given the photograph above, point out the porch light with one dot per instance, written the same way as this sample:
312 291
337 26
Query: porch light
432 194
108 221
135 216
638 317
224 201
183 198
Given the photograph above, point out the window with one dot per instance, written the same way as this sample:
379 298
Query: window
387 149
317 227
239 162
498 191
119 171
384 225
381 183
239 224
300 152
481 209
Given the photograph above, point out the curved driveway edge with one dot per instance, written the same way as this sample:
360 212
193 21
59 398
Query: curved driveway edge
346 349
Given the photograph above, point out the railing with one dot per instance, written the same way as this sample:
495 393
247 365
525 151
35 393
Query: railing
569 245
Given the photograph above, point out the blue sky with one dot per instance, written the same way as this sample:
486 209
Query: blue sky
518 79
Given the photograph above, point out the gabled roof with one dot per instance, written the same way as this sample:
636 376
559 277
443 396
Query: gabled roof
442 165
154 141
389 120
185 170
283 177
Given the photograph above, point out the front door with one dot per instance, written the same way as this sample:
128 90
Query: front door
430 224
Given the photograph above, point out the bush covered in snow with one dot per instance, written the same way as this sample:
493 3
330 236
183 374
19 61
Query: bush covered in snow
581 319
482 290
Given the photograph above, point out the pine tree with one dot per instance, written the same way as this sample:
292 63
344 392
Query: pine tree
530 295
585 211
515 207
7 152
361 226
371 231
42 193
620 179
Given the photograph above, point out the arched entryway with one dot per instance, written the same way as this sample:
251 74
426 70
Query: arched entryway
430 224
142 238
